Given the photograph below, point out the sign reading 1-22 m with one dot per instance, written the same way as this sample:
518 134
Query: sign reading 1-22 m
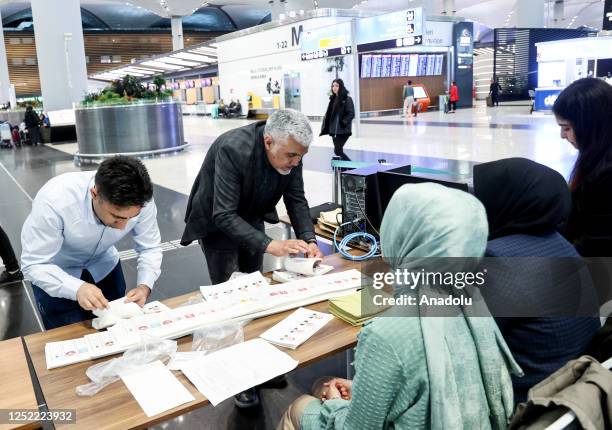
391 30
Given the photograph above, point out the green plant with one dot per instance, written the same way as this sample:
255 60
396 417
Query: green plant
125 91
159 82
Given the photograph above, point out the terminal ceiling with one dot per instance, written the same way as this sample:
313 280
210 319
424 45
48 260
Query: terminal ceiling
229 15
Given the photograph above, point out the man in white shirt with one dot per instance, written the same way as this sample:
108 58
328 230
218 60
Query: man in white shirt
68 240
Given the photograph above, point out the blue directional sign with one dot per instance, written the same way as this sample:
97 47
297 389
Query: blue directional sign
390 30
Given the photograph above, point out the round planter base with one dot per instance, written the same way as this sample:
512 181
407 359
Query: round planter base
83 159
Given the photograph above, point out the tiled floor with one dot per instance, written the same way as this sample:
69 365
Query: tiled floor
450 142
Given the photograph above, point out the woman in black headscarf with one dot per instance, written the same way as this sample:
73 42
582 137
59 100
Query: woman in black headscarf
541 302
339 118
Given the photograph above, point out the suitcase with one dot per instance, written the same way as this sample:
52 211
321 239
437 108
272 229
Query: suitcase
489 101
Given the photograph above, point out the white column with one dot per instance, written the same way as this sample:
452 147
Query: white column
449 7
292 8
276 9
177 32
60 51
5 83
558 13
356 80
529 13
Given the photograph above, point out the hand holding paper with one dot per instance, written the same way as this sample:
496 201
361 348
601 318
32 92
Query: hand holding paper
116 310
306 266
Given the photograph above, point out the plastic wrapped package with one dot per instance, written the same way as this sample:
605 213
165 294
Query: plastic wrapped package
102 374
216 337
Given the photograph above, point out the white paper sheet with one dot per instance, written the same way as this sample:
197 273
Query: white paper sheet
155 388
297 328
227 372
181 359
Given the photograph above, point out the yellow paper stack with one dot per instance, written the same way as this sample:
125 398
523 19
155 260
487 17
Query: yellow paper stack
356 308
329 221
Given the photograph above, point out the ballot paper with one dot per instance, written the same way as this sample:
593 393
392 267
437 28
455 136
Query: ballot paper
103 343
306 266
257 294
154 307
297 328
58 354
245 298
181 359
244 285
222 374
286 276
117 310
155 388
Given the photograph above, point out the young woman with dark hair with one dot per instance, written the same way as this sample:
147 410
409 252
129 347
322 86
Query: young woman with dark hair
584 112
339 117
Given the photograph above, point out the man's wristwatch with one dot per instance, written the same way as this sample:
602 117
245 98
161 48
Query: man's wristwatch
312 241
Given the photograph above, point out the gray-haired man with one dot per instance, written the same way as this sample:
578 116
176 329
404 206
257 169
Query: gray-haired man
245 173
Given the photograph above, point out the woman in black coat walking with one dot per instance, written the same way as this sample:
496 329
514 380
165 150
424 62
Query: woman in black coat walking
339 117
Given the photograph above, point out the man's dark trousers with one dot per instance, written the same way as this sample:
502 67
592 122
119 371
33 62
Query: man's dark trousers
58 312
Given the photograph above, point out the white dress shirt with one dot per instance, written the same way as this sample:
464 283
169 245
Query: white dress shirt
62 236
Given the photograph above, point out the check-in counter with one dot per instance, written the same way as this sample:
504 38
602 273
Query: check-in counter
140 130
545 98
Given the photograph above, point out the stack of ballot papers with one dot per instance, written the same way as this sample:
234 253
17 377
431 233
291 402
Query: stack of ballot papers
356 309
297 328
329 221
227 372
240 299
297 268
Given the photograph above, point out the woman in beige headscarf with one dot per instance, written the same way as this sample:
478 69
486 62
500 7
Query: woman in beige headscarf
423 372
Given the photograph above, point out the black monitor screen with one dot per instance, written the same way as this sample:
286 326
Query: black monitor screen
390 181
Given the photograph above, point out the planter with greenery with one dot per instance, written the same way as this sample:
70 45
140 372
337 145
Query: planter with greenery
127 91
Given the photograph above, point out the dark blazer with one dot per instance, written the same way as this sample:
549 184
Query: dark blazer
344 112
223 200
589 226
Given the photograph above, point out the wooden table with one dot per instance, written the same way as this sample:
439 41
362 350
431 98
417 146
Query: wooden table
16 390
115 408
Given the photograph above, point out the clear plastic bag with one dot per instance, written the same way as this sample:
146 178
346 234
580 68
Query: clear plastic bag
102 374
216 337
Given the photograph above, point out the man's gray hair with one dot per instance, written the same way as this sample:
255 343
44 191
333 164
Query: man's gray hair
283 124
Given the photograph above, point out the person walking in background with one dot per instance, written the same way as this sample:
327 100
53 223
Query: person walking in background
454 96
408 96
11 272
494 90
338 119
32 122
